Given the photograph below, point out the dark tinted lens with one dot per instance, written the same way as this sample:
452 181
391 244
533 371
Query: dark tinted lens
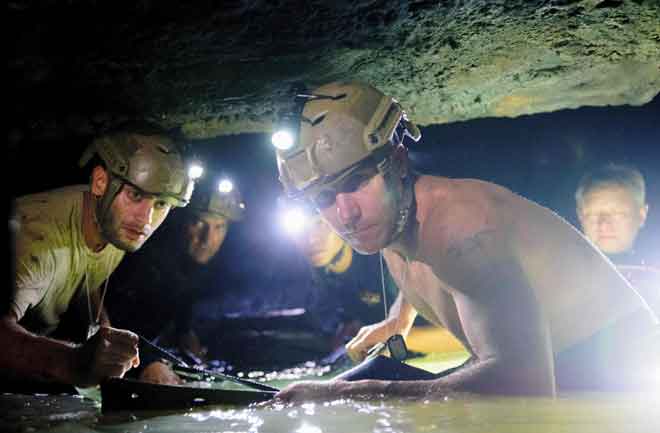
357 180
354 182
325 198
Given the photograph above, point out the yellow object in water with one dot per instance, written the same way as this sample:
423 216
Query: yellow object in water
432 339
442 350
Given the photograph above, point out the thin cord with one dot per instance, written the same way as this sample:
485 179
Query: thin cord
105 290
382 282
89 301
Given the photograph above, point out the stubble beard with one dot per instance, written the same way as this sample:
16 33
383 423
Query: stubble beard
110 229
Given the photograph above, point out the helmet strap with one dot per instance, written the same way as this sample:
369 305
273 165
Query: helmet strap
105 202
406 206
403 194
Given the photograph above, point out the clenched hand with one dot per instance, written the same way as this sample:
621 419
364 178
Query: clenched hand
109 353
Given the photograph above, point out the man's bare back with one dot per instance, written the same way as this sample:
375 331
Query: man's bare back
532 300
515 283
469 229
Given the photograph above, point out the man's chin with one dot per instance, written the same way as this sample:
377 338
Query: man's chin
364 248
611 246
128 246
201 260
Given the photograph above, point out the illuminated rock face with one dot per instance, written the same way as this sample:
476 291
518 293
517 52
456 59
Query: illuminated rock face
226 67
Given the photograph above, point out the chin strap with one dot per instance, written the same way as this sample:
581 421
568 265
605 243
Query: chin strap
103 204
406 201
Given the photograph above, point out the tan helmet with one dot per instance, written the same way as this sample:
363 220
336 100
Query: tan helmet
145 157
342 123
213 199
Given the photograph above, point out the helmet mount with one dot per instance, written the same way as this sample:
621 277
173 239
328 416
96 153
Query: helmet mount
148 160
339 125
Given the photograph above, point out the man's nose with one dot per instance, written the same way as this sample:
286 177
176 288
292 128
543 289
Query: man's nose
205 234
348 211
604 220
145 212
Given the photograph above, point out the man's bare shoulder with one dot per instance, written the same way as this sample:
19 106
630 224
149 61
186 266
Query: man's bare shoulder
46 222
458 211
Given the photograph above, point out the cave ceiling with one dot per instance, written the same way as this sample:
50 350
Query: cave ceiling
225 67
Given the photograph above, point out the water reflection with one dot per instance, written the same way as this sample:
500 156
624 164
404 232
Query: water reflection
583 413
597 413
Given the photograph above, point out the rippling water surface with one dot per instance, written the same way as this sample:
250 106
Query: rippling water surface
597 413
578 413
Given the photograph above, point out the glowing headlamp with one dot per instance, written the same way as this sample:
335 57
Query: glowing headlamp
195 170
287 129
282 139
225 186
294 220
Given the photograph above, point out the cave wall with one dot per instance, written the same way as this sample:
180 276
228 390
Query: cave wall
216 68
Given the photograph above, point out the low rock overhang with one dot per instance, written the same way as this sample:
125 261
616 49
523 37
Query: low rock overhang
227 68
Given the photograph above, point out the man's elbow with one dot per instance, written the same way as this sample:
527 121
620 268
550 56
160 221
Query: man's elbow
8 326
512 377
9 329
504 377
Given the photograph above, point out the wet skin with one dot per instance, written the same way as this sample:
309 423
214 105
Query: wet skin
510 279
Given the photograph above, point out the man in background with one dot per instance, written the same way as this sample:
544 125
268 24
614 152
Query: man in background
612 210
347 288
170 277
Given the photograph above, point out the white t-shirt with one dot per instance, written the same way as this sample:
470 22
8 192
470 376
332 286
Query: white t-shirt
53 262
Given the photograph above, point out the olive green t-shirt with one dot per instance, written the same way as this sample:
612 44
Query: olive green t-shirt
53 263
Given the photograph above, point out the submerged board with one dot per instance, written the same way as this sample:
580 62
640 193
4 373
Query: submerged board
128 394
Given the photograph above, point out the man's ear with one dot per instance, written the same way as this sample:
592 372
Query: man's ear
99 181
643 213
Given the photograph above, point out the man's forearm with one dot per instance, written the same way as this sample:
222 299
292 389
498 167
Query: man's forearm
26 356
467 379
492 376
403 314
481 377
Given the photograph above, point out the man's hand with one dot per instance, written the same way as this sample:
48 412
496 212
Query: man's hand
333 389
109 353
369 336
305 391
159 372
189 342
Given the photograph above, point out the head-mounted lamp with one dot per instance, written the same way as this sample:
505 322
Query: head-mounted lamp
287 129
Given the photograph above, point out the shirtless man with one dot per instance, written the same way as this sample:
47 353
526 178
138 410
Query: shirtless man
68 242
537 307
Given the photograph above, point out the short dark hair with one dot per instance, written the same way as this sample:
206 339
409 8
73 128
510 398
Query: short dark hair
623 175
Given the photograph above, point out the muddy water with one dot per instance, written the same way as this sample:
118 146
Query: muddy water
579 413
597 413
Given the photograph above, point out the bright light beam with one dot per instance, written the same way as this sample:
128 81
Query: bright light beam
225 186
282 139
195 171
294 221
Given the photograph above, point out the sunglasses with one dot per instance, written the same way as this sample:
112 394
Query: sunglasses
350 181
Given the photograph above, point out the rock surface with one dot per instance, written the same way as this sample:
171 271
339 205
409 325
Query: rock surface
215 68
